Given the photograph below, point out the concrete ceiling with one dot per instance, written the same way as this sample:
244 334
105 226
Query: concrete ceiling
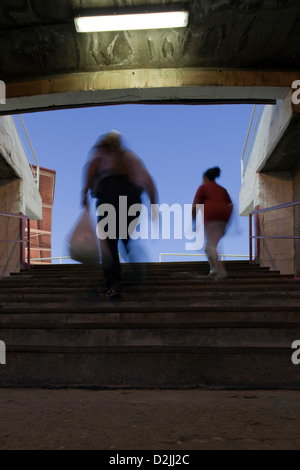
231 51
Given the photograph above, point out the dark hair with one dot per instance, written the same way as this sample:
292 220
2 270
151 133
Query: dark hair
212 173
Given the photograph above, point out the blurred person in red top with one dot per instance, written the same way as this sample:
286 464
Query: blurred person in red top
112 172
217 212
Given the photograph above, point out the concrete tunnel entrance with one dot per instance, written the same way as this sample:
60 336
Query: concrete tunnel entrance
214 155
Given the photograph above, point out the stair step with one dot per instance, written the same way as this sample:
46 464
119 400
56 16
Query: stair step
131 309
161 336
142 319
142 349
168 282
181 330
136 367
197 295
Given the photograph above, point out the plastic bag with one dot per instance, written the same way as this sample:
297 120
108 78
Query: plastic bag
84 244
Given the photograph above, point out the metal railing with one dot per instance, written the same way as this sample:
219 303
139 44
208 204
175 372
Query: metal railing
60 258
36 174
22 240
245 159
221 256
258 236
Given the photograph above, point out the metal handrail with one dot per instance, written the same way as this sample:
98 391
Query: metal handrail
260 237
244 161
160 256
37 177
22 240
51 258
222 256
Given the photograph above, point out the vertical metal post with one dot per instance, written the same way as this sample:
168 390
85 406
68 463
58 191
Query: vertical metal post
28 244
257 234
250 239
242 170
246 141
22 238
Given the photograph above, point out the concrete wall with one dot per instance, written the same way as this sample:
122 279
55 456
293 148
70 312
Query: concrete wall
12 153
296 188
9 227
273 124
271 188
274 189
18 193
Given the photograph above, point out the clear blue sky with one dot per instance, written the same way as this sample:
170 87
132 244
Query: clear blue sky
176 142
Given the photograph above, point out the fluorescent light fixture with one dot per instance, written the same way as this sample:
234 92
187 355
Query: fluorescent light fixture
124 22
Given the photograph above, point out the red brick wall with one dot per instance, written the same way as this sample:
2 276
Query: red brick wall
40 230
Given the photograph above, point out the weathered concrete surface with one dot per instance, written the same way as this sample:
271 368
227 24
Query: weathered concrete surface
272 131
10 203
14 164
41 54
270 179
149 420
184 330
18 194
219 34
276 188
296 183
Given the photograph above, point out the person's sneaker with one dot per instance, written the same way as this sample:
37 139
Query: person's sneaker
213 273
114 293
218 274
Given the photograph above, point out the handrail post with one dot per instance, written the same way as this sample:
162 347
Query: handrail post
242 170
257 234
246 141
28 243
250 239
33 153
22 237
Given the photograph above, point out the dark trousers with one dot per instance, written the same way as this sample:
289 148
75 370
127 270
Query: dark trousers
112 188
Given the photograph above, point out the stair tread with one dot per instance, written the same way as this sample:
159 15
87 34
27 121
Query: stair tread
149 349
183 330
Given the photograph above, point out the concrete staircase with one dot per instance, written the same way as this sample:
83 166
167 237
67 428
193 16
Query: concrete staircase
180 330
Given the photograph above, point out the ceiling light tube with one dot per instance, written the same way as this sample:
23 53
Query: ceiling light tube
124 22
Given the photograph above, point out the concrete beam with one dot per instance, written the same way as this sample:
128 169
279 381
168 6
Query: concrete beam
268 182
285 155
169 85
271 134
12 153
